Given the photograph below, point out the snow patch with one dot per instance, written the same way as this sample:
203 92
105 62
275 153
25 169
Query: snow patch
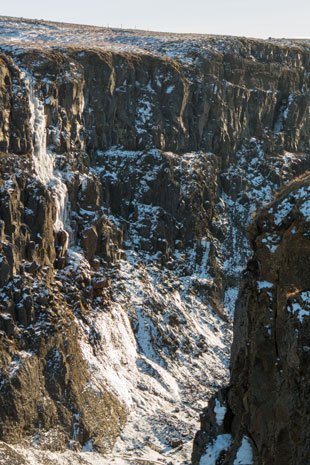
302 310
244 454
264 285
283 210
213 451
305 209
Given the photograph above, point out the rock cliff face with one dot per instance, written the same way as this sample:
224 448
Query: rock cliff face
267 401
129 170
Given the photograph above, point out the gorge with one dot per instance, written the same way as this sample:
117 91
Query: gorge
132 165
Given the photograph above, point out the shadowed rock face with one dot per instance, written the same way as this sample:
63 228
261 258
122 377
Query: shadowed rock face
251 89
158 165
267 400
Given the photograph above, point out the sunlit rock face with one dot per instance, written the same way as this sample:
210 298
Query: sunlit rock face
130 166
267 401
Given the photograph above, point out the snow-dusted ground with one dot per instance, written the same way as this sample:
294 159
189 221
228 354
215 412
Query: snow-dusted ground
165 368
21 33
165 391
154 309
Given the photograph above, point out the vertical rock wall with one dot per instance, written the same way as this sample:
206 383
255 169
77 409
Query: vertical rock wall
267 400
158 166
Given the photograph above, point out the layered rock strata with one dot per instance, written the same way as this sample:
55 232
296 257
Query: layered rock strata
127 180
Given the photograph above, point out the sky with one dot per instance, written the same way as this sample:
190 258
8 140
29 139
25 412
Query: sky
259 18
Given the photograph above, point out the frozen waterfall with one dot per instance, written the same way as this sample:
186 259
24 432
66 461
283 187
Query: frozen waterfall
44 161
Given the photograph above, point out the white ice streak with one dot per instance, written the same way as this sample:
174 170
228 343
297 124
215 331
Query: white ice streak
44 161
202 271
61 199
230 298
219 411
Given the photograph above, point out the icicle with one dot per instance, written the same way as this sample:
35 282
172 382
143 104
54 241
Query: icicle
60 196
43 161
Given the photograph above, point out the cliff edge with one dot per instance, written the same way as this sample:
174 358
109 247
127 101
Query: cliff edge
130 163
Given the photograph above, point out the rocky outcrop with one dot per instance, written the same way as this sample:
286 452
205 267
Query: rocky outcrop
45 398
44 375
15 133
127 180
267 401
212 106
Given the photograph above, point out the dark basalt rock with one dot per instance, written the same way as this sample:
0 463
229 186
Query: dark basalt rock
112 123
267 399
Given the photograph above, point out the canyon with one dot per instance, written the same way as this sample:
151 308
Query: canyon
135 170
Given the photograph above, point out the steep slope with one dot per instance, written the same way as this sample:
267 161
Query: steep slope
267 401
129 173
